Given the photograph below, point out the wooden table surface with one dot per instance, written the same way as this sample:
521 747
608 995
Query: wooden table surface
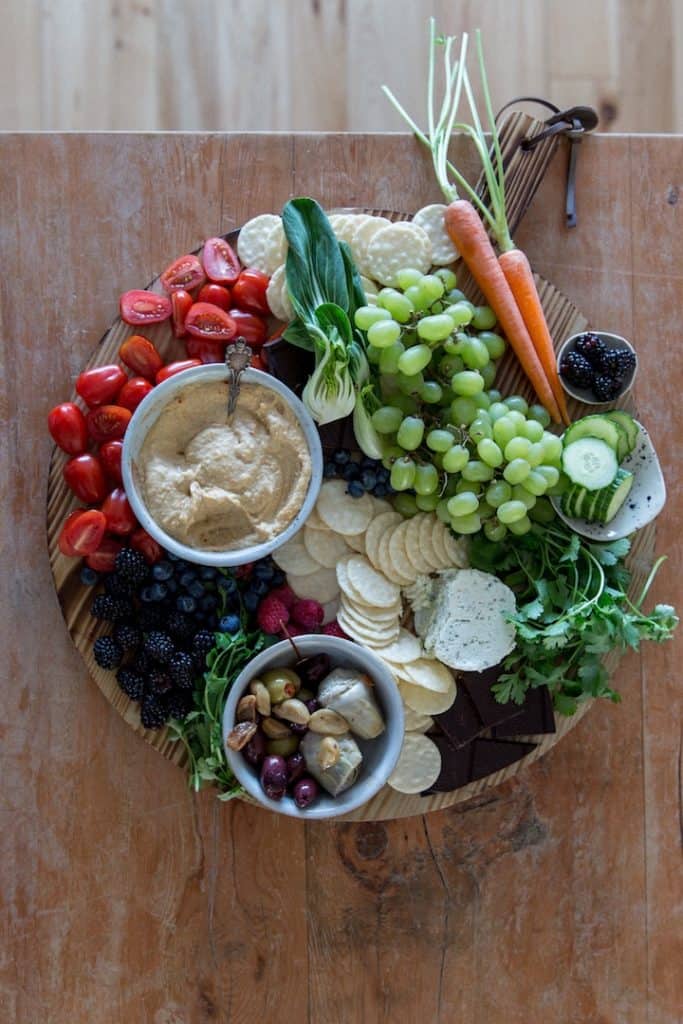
555 898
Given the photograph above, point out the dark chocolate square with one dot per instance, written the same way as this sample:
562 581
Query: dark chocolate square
489 756
461 723
478 685
536 716
456 764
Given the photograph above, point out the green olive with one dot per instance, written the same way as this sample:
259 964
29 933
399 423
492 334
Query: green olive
284 747
305 694
281 683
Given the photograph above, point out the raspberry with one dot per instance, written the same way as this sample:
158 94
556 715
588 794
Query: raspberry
284 594
290 630
308 614
271 615
334 629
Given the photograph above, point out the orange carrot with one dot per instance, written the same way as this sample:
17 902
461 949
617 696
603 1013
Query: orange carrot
519 276
465 227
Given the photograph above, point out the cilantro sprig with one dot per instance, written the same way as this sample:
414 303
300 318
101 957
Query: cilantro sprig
572 609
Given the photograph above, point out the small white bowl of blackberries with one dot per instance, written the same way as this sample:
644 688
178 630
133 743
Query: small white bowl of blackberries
596 367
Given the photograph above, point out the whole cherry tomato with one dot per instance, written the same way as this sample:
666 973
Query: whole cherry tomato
101 384
220 261
82 532
208 321
141 307
118 513
142 541
257 362
104 559
216 294
85 476
141 356
67 426
110 456
250 291
181 302
133 391
250 327
186 272
169 371
108 422
206 351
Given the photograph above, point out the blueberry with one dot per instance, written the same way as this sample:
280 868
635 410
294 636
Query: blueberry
157 591
172 586
195 589
350 471
227 584
172 558
355 489
186 578
278 578
341 457
368 478
208 572
186 604
382 475
380 490
260 587
264 571
89 577
208 602
251 600
146 595
162 571
329 470
368 463
229 624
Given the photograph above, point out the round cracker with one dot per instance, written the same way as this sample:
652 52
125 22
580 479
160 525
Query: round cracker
361 238
426 544
384 563
418 766
439 542
373 586
315 521
374 633
456 550
368 286
320 585
429 673
340 512
431 219
277 296
413 549
361 633
330 609
405 648
293 557
356 541
398 556
344 225
398 246
427 702
324 546
367 614
376 530
262 244
413 721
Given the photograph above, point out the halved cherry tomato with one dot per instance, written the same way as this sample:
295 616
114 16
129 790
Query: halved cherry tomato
108 422
67 426
220 261
133 391
138 353
110 456
169 371
85 476
82 532
181 302
250 291
142 541
101 384
186 272
118 513
206 351
208 321
250 327
257 362
104 559
141 307
216 294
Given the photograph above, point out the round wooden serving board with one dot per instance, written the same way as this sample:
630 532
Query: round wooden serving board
563 320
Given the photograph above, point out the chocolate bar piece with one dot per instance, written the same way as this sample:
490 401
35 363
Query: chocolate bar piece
489 756
536 716
461 723
478 685
456 765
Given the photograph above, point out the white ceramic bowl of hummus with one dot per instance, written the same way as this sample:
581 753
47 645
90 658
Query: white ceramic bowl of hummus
215 491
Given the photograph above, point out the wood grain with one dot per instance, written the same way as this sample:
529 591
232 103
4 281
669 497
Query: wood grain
556 897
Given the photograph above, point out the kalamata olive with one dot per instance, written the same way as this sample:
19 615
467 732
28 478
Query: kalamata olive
274 777
255 749
281 683
312 704
305 792
296 766
298 728
313 670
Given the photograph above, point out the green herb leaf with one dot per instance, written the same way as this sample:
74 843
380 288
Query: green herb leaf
315 266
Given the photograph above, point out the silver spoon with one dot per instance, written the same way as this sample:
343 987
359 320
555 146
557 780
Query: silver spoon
237 359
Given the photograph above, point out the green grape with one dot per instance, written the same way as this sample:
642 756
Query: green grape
484 318
485 511
552 448
407 277
427 502
495 531
550 473
497 410
466 524
437 460
374 355
562 485
463 411
388 384
488 372
495 395
535 483
384 333
473 486
439 440
489 452
504 429
520 526
517 403
516 417
474 353
391 453
447 276
463 504
482 402
406 403
455 295
517 448
414 360
498 492
431 392
452 347
450 365
386 419
480 428
405 505
475 470
494 343
426 479
511 512
516 471
467 383
542 512
456 458
532 430
442 511
388 357
403 473
460 313
431 287
410 435
520 493
540 414
398 305
535 456
435 328
416 296
366 316
437 307
410 384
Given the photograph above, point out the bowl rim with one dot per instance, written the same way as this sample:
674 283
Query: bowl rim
392 707
134 438
582 394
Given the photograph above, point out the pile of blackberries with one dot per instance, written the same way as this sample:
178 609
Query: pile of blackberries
592 365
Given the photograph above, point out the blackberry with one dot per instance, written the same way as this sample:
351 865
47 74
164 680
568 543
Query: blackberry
179 703
131 682
609 364
181 670
577 370
627 363
110 609
107 652
159 646
159 681
131 565
141 663
591 347
151 616
117 586
180 627
153 713
606 388
129 637
202 643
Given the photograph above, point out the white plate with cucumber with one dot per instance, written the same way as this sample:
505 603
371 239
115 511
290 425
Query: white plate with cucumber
615 482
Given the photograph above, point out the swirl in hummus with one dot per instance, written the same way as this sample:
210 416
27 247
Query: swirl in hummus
220 485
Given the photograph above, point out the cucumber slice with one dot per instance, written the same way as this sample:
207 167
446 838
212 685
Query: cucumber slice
598 426
590 462
573 501
628 425
610 499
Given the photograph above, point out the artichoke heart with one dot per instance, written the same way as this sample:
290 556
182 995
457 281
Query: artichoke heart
349 693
